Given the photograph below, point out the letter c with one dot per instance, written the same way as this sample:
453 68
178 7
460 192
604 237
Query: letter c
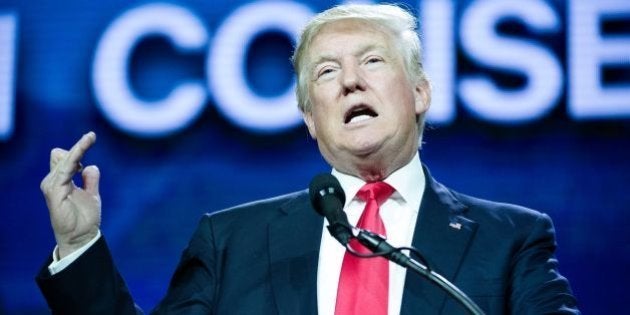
110 79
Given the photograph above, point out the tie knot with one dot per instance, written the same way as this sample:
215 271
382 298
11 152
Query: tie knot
378 191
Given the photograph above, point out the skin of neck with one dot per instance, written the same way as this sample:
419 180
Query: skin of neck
377 166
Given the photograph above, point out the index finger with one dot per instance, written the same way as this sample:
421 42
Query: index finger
69 164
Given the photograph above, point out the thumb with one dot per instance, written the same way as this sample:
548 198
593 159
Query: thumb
91 176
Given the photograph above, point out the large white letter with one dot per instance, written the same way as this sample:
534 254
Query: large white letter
588 51
226 66
481 41
437 25
8 36
111 80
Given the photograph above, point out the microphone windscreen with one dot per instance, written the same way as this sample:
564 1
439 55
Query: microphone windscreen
324 186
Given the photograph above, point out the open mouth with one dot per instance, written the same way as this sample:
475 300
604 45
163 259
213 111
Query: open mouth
359 113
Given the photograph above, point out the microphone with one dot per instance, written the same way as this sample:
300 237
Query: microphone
328 199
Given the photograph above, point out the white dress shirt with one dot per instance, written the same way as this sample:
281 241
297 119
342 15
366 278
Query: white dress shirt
399 214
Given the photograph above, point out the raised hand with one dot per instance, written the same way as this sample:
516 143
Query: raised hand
75 212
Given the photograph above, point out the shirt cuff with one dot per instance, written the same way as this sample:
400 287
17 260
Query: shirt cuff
58 265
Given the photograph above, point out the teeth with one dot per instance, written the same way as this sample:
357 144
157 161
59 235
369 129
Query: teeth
360 118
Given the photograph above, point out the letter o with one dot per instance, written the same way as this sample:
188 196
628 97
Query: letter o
225 67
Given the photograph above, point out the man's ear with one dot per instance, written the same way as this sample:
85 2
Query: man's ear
422 92
307 116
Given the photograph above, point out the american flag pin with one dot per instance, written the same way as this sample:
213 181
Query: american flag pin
457 226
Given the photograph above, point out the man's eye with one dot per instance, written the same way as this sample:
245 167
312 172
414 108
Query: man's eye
374 60
324 72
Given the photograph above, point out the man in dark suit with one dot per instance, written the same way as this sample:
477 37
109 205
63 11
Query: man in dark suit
363 95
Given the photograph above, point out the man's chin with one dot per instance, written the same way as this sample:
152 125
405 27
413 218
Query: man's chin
365 151
365 144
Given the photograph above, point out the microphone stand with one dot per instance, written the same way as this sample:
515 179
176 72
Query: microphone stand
379 246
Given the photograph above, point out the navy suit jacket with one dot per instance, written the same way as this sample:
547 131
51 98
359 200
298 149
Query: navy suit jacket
261 258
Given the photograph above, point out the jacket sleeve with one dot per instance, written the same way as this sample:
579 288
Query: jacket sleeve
90 285
93 285
536 285
194 284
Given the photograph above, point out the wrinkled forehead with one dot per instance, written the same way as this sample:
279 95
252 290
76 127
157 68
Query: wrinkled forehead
334 35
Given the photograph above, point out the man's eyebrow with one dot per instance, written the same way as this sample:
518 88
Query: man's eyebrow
321 59
330 57
368 48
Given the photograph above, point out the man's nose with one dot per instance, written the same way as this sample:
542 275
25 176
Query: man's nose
352 79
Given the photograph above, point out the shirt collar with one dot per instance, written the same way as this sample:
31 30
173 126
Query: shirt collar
408 181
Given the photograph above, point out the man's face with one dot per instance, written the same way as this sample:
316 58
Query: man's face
364 107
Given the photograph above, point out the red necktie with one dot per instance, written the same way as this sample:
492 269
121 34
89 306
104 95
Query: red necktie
364 282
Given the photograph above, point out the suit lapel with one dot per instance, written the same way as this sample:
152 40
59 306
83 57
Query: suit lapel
442 235
294 240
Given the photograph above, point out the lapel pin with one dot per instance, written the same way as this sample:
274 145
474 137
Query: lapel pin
457 226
